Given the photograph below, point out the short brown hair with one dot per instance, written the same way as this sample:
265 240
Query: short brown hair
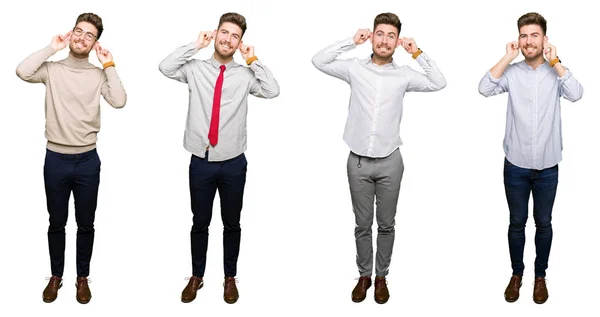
234 18
92 19
387 18
532 18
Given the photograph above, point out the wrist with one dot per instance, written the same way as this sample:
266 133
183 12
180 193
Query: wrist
554 61
417 53
249 60
108 64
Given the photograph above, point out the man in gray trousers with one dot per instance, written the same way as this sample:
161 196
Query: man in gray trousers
375 165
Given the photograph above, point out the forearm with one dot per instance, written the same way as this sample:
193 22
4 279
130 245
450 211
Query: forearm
266 86
115 93
498 70
434 75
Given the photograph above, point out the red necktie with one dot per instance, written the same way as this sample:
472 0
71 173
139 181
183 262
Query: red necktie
213 133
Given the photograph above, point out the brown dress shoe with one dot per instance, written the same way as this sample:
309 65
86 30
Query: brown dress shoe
381 291
189 292
230 294
83 290
51 290
540 292
359 293
511 294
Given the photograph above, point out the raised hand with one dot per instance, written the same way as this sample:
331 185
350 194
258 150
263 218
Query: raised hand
409 45
104 55
549 51
247 51
204 38
361 36
512 49
61 41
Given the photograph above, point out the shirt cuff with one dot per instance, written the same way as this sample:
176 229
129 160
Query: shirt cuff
491 78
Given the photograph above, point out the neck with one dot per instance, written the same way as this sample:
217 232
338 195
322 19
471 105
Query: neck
222 59
80 57
535 62
381 60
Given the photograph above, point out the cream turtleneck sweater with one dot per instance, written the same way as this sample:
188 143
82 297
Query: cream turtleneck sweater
73 89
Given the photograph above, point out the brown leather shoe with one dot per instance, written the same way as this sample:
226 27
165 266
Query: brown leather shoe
51 290
381 291
83 290
189 292
511 294
359 293
230 293
540 292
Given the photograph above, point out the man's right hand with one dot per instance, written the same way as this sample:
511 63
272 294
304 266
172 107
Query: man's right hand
512 50
204 38
60 41
361 36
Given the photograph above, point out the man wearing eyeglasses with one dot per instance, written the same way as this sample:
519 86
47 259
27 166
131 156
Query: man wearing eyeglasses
73 90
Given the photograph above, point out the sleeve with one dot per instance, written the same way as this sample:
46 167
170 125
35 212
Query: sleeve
327 62
263 84
112 89
34 68
176 65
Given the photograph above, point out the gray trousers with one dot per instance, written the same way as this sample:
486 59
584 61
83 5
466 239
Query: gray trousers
374 181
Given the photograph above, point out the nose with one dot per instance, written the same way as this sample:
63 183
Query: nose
384 40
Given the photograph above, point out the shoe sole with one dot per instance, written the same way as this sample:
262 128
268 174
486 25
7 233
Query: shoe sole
191 300
381 302
539 302
510 300
83 302
358 300
231 302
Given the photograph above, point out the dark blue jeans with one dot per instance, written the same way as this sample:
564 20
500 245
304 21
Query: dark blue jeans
63 174
518 184
229 177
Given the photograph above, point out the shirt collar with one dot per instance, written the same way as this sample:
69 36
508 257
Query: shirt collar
391 64
216 64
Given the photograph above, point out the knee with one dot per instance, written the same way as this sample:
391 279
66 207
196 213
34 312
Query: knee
232 228
385 230
543 223
85 228
518 223
57 226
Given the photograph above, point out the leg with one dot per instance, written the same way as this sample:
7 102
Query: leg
85 194
544 192
203 187
58 190
362 191
389 173
517 185
231 192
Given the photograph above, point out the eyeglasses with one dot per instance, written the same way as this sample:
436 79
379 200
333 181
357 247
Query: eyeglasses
88 36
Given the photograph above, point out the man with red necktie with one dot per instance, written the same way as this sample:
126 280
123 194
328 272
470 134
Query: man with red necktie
215 134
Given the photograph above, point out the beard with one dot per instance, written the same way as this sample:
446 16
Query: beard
80 49
533 55
224 52
387 52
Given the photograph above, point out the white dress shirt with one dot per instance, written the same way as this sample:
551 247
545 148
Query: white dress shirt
376 98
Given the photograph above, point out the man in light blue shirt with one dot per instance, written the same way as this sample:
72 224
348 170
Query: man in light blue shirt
375 166
532 141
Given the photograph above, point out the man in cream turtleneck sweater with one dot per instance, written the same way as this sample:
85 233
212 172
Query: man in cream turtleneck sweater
73 89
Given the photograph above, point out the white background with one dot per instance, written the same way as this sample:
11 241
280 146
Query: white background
298 253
